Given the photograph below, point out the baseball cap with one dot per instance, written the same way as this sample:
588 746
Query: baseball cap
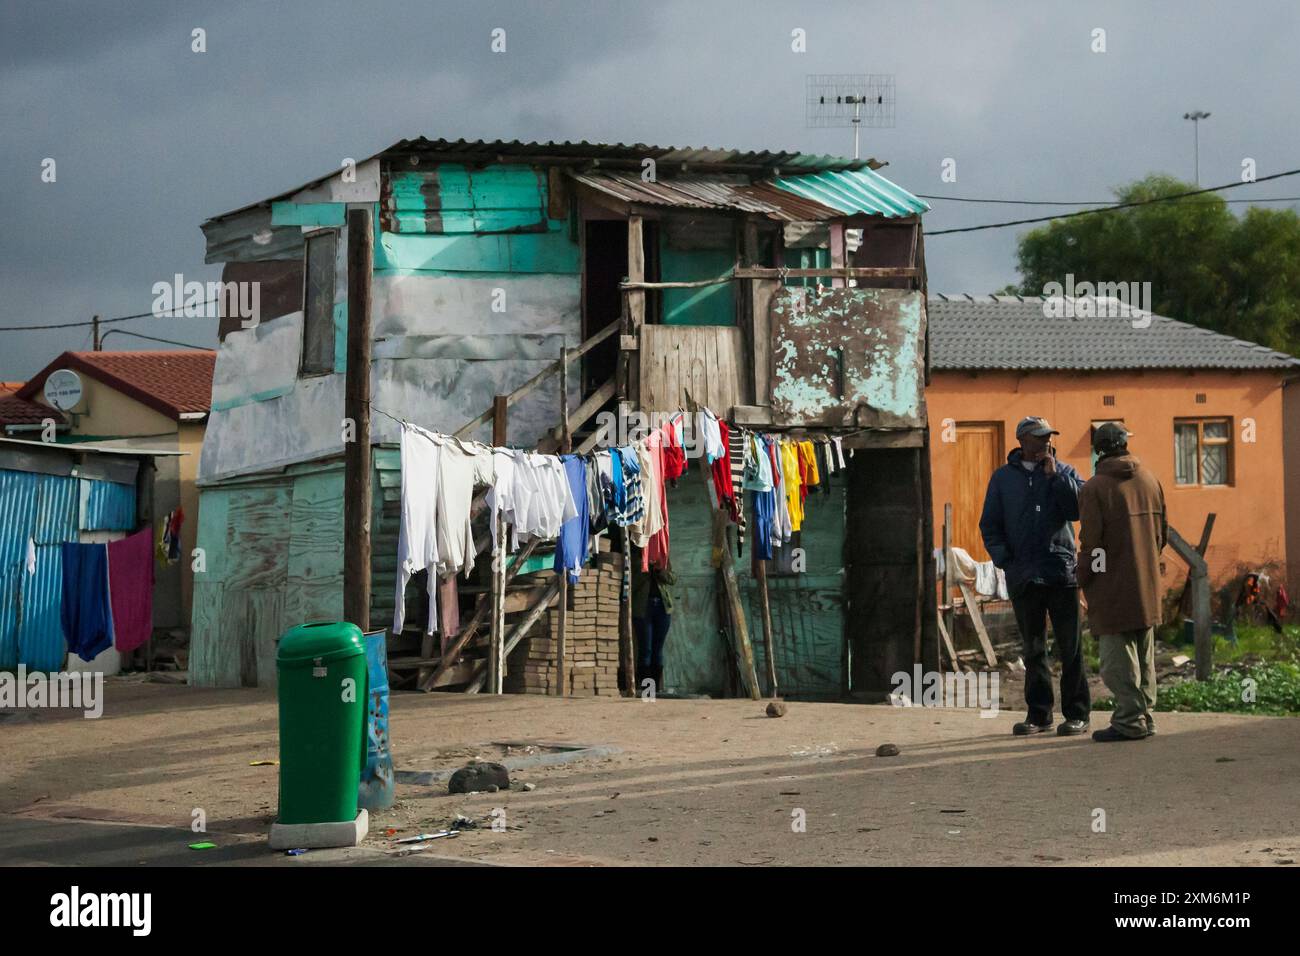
1110 437
1033 425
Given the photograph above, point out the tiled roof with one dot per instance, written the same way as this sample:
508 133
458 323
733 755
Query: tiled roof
1013 332
171 382
19 411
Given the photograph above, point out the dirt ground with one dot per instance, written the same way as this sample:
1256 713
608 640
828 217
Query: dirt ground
697 782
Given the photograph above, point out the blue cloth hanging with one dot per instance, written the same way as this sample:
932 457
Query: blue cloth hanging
86 614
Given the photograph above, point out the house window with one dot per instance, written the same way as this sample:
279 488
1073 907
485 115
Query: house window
1203 451
318 303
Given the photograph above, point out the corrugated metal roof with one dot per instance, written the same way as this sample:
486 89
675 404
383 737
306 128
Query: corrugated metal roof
1013 332
664 156
719 192
859 191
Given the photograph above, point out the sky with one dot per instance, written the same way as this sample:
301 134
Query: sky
150 138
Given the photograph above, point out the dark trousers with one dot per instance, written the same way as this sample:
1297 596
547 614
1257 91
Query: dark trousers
652 632
1033 607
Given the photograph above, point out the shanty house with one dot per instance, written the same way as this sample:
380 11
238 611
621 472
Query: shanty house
154 399
784 291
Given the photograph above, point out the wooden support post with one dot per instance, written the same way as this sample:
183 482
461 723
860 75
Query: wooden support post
495 656
562 610
949 616
635 300
626 644
976 618
566 439
356 408
1185 603
1200 585
760 573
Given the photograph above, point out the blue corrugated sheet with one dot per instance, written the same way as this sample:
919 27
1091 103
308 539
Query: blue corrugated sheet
107 506
855 191
49 509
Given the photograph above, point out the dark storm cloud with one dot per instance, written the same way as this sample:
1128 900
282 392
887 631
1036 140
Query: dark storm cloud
151 138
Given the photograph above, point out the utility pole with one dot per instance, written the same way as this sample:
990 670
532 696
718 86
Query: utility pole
1196 116
356 406
94 329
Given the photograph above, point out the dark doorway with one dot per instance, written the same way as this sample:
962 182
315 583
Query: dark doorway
605 267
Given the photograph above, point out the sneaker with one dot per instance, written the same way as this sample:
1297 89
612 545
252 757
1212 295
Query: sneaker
1072 728
1025 728
1111 735
1151 727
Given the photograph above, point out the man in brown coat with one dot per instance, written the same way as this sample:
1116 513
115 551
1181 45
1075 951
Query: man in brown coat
1121 534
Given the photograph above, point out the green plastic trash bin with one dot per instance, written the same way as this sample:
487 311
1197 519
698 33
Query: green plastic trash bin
322 689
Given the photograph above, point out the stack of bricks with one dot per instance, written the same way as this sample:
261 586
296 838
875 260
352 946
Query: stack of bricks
590 640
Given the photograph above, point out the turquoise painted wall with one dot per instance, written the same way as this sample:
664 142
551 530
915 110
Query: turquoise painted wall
709 305
807 609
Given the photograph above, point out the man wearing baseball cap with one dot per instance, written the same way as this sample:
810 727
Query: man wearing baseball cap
1030 503
1122 530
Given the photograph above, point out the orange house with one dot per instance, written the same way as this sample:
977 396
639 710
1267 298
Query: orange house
1212 415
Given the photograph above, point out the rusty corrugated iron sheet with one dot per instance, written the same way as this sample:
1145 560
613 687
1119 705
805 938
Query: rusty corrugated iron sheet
579 153
715 192
848 357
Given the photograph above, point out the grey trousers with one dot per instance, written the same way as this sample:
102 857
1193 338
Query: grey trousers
1128 666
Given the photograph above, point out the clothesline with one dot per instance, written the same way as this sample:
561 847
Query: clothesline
574 498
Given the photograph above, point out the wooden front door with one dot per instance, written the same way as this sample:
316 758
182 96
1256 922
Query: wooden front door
978 454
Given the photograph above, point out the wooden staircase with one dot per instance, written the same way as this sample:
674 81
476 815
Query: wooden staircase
507 605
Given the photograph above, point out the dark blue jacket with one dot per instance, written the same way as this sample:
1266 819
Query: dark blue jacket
1026 523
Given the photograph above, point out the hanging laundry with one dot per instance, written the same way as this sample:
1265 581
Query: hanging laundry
674 452
448 610
571 547
808 464
629 504
650 459
782 526
86 614
417 540
839 452
597 520
793 482
707 432
656 549
461 467
130 588
724 490
736 465
169 540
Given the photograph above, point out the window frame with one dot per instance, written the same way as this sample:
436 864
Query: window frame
303 371
1230 474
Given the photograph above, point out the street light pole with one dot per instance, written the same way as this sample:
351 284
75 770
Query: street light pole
1196 116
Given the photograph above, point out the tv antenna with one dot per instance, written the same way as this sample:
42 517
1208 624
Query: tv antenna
850 99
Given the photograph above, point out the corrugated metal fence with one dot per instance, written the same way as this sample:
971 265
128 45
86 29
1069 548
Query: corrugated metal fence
49 510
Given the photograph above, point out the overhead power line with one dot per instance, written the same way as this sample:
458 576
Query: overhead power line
1077 202
151 338
120 318
1117 206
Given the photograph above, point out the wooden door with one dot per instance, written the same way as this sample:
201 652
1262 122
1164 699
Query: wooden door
978 454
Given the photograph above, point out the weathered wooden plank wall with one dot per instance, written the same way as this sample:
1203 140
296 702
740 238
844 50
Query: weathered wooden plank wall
707 360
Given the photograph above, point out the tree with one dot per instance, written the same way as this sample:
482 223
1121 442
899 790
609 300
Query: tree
1239 275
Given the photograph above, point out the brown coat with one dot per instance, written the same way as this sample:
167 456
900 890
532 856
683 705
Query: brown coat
1121 512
